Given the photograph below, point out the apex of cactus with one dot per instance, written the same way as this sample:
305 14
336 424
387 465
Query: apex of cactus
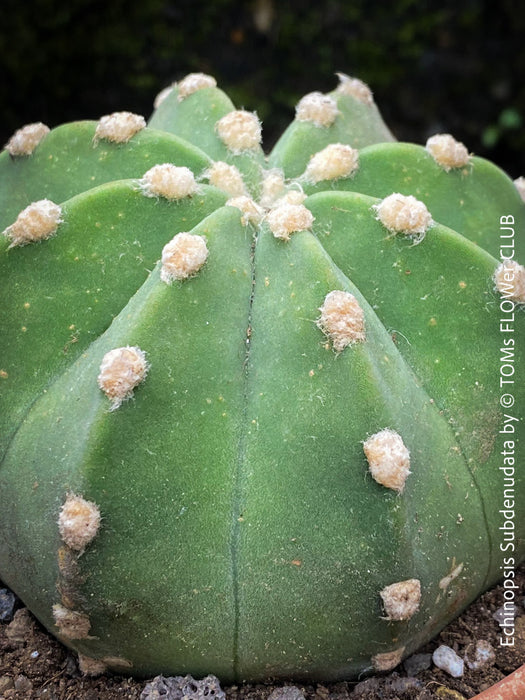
221 368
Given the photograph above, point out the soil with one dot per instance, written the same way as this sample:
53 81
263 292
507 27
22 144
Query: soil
35 665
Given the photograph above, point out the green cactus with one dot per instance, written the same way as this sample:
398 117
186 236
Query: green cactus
315 473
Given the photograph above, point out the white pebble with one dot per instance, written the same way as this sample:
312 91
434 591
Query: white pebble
483 655
447 660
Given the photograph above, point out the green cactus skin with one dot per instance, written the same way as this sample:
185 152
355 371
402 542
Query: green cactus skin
243 530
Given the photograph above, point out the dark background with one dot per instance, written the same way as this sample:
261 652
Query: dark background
456 67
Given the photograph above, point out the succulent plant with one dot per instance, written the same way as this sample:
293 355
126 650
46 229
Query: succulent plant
255 413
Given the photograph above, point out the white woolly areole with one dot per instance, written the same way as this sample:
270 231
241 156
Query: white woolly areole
119 127
317 108
226 178
36 222
286 219
193 82
510 280
121 370
252 213
71 624
240 131
78 522
400 213
388 660
273 187
168 181
388 459
91 667
333 162
342 319
291 197
183 257
401 600
25 140
353 87
447 152
519 182
162 95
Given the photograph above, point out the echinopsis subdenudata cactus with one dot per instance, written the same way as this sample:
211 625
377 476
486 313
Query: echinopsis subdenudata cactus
251 418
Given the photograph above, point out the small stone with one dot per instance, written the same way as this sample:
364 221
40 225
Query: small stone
183 688
447 660
48 694
317 108
7 604
25 140
21 627
287 692
505 613
417 663
481 656
23 685
6 683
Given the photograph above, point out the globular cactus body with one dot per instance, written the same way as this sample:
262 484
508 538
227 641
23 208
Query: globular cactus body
271 448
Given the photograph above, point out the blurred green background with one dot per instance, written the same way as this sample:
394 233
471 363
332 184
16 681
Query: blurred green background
456 67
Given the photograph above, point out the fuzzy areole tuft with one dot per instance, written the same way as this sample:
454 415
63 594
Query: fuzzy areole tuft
287 218
404 214
342 319
25 140
169 181
37 222
118 127
388 459
240 131
401 599
447 152
317 108
183 257
78 522
121 370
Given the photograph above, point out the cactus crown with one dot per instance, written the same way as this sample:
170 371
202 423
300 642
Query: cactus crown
250 423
